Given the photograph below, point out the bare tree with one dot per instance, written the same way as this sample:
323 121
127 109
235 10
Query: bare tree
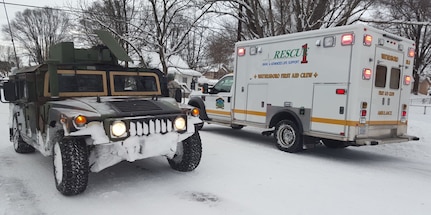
7 60
262 18
114 15
409 18
221 45
36 30
171 23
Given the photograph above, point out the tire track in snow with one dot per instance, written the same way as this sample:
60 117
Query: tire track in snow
15 197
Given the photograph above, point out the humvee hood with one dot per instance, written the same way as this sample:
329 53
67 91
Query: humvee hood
115 106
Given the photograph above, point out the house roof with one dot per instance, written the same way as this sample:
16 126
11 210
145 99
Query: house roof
175 64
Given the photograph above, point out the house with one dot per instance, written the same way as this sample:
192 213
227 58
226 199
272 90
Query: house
176 66
424 85
216 71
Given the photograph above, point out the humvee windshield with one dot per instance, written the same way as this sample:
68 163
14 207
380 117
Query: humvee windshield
95 83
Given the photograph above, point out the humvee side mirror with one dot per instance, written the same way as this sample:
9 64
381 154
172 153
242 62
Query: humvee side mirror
205 88
9 91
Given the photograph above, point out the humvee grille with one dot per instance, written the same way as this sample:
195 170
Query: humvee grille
135 105
150 126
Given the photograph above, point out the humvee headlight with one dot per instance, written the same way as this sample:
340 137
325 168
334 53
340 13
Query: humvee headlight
180 124
80 120
195 112
118 128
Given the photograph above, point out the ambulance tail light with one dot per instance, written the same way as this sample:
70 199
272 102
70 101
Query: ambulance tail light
363 113
411 52
407 79
241 52
366 74
368 39
404 113
340 91
347 39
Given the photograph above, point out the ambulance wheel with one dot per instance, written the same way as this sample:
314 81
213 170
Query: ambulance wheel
19 145
188 155
71 166
288 137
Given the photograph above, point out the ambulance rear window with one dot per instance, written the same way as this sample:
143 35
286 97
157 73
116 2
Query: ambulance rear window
380 76
395 78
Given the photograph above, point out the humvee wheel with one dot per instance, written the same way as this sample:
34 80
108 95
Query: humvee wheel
287 136
18 143
188 155
71 168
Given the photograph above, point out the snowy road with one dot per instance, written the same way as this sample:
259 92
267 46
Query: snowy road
241 172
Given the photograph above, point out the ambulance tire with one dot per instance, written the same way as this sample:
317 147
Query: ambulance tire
288 137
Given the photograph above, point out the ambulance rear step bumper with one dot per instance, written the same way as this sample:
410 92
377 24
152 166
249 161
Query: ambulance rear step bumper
374 141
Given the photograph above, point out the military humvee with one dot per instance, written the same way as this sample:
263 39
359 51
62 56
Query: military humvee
89 113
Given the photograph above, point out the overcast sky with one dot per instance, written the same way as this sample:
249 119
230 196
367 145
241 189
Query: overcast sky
12 6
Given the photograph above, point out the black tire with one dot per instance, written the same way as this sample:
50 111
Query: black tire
71 167
237 127
288 137
18 143
188 156
333 144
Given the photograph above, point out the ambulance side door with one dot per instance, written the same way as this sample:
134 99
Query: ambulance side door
218 102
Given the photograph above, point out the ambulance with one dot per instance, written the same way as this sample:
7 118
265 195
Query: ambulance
341 86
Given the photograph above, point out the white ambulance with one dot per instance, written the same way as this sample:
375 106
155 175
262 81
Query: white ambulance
341 86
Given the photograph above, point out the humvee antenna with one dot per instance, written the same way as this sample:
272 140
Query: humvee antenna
11 35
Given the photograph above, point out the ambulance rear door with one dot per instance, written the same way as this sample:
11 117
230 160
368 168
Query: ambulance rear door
386 93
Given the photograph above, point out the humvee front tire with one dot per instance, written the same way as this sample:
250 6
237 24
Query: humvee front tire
71 167
188 155
288 137
18 143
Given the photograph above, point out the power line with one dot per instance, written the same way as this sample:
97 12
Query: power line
11 36
80 11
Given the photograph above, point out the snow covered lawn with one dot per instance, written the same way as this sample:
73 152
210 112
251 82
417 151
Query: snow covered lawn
241 172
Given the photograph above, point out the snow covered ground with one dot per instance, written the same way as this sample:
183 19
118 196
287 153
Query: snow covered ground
241 172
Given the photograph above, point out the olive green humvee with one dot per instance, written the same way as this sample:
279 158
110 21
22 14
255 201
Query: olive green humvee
89 113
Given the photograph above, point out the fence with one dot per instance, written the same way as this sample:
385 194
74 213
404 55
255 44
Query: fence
421 102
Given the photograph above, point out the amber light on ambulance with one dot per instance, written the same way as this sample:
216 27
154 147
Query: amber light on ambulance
368 39
407 79
347 39
366 74
411 52
241 51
